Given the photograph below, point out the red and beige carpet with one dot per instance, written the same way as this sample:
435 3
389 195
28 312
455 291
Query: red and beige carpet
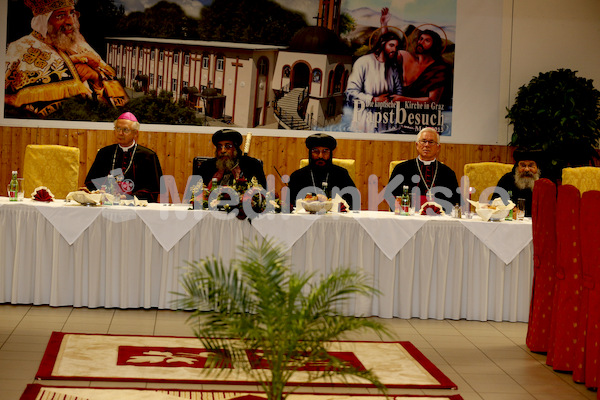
94 357
39 392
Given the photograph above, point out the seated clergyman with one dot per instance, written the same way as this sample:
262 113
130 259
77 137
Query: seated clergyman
135 168
229 163
321 172
519 182
433 179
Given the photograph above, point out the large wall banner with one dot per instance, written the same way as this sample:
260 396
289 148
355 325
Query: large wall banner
355 66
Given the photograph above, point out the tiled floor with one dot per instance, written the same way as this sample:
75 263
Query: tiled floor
487 360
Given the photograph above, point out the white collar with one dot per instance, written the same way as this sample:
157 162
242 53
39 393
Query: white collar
427 162
126 149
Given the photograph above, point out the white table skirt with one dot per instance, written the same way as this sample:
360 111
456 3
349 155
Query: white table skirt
443 270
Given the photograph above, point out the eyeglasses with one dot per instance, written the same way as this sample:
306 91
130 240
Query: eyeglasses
424 142
64 15
226 146
530 165
316 152
124 130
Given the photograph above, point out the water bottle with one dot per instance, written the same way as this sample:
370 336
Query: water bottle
405 201
13 187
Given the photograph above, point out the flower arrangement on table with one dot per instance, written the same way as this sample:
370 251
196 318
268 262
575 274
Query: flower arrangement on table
252 198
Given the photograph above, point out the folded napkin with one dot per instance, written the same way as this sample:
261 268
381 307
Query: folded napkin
135 202
431 208
339 204
83 197
42 193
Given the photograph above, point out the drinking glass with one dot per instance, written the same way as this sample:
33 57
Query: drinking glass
413 203
520 209
21 192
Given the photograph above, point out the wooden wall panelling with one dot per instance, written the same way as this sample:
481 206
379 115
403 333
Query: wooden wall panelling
177 149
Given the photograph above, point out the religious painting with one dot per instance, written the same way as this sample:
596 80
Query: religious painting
354 66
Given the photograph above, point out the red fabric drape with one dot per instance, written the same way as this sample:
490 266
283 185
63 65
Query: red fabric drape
564 334
544 258
590 257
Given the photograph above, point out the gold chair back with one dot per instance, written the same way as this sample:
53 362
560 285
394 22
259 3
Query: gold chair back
393 165
583 178
53 166
483 175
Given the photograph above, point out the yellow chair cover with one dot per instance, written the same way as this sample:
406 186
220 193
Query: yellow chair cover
53 166
485 174
583 178
393 165
347 163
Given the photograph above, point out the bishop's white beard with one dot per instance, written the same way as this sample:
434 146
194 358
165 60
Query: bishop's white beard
526 182
71 43
226 164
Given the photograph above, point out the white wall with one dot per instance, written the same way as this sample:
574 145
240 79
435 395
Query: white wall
501 45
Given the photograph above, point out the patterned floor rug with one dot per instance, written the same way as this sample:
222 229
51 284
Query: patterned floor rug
39 392
94 357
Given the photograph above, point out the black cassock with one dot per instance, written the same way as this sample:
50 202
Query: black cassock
310 177
144 170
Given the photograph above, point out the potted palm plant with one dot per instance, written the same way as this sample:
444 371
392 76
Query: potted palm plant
559 113
273 312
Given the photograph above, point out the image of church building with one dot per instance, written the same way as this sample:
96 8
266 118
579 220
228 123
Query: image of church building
238 74
295 87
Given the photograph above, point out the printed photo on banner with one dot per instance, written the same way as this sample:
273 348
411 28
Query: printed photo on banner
357 66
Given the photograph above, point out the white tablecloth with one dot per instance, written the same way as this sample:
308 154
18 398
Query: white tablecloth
130 257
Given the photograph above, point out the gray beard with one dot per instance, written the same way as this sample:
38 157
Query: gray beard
72 43
526 182
226 164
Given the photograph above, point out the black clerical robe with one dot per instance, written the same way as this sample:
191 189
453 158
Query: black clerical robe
144 170
250 168
409 170
507 182
305 179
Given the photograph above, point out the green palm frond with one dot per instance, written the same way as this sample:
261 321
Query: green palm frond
286 317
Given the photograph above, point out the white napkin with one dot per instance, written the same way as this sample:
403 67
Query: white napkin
135 202
337 204
83 197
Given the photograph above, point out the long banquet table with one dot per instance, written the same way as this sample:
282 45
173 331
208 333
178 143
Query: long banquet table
132 257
